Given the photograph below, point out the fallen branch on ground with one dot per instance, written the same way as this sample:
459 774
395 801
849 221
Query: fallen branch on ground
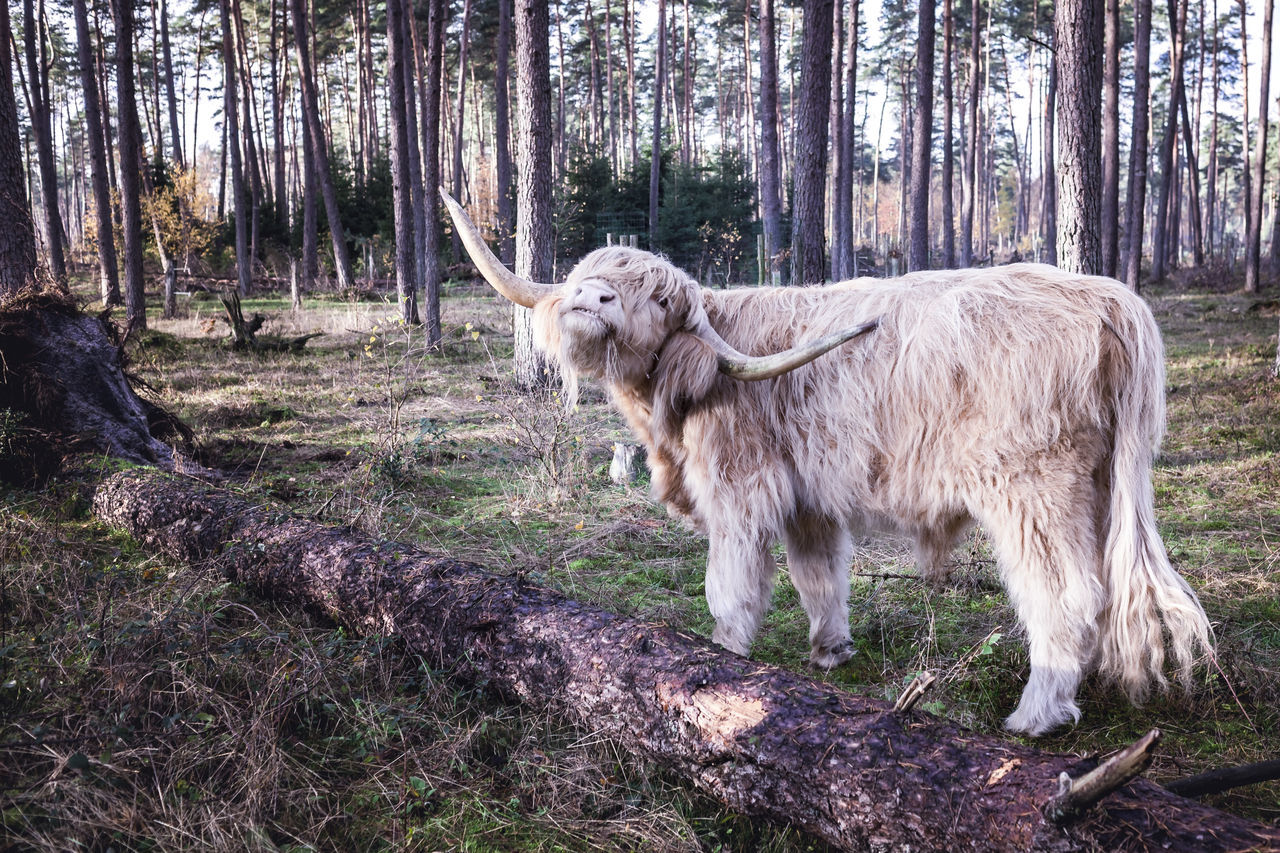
763 740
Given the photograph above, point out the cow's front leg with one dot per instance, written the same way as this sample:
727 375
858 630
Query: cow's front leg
739 584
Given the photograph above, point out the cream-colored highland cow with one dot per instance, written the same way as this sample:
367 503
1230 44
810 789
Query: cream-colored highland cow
1023 397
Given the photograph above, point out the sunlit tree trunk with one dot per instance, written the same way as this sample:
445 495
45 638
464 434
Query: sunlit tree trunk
655 153
175 127
1078 38
1161 251
848 163
502 128
1049 181
239 200
402 193
969 186
948 140
430 52
458 120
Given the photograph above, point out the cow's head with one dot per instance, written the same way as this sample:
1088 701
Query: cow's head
619 309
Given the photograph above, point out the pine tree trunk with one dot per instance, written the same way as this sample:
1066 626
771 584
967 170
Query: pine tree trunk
109 276
770 155
1137 192
848 159
969 186
1049 181
175 128
430 56
535 246
42 127
130 166
239 198
1160 251
459 116
655 150
948 139
502 130
17 238
1253 238
922 139
1078 39
1111 139
400 187
808 234
851 770
311 115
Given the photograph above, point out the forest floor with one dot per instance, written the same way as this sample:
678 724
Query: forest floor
146 705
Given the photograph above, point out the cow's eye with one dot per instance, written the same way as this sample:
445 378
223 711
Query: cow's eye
662 302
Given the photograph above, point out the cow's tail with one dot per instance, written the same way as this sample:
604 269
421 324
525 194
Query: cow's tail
1148 600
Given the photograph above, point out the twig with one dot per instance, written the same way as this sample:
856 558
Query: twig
915 692
1076 795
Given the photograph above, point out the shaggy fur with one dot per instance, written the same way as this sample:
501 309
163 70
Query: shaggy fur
1024 398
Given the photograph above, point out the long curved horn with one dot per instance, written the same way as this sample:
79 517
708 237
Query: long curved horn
753 368
519 290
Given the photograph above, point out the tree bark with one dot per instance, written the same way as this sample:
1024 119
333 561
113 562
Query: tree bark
502 132
655 151
1160 251
969 185
535 241
430 52
239 198
848 151
1111 139
17 237
770 154
319 146
401 189
1253 239
948 139
1137 191
1078 39
130 166
109 275
808 236
42 127
764 741
460 113
922 139
175 128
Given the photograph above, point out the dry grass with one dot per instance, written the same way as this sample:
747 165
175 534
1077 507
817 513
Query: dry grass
148 706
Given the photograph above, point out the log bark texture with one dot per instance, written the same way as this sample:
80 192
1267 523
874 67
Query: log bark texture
764 741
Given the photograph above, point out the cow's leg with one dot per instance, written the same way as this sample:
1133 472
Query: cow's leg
818 552
739 584
1045 540
933 547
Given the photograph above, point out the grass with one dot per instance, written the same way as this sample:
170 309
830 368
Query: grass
151 706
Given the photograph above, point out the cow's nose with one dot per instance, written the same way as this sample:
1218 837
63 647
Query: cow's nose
593 294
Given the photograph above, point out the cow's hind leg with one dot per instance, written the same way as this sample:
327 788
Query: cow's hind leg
818 552
1044 536
739 584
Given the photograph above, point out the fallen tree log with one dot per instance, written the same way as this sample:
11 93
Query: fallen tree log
764 741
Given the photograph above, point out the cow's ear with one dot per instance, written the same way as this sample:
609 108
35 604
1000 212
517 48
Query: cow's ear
686 372
546 331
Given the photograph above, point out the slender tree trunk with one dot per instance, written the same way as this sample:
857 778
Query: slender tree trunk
1193 182
633 123
969 186
1111 139
244 259
808 236
1138 151
922 138
417 189
1211 179
1253 239
175 127
311 115
655 154
130 166
17 238
848 160
279 74
431 58
535 241
770 155
400 187
109 276
502 129
41 124
1049 204
1178 35
458 122
836 165
948 140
